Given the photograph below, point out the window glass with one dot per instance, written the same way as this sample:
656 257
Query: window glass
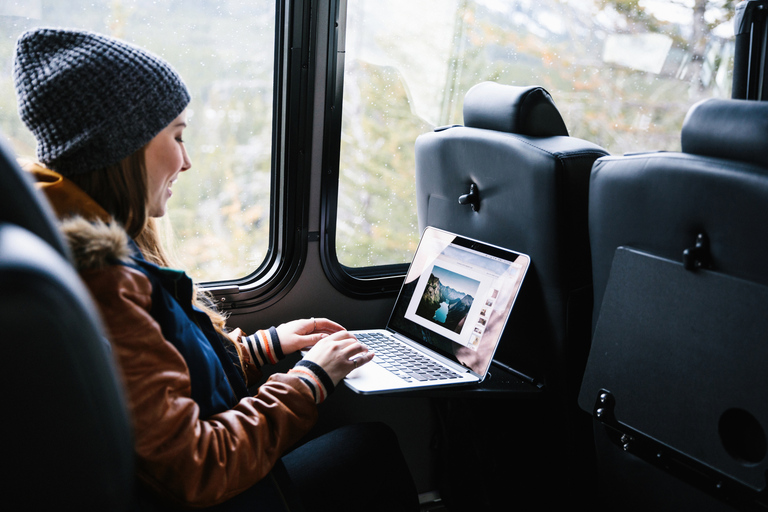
218 218
622 72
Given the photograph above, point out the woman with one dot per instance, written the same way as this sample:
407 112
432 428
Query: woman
109 120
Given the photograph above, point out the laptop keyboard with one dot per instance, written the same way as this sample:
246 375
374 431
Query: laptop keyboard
401 360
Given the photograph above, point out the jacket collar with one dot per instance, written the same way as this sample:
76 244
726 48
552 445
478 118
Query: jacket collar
67 199
93 237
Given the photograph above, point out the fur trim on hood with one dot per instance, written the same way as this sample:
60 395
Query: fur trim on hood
96 244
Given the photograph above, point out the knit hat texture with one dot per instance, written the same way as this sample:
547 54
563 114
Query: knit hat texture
92 100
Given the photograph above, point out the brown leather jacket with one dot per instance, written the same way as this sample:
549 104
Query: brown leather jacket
187 459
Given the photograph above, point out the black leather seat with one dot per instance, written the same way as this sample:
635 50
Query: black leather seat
523 183
531 180
68 442
676 376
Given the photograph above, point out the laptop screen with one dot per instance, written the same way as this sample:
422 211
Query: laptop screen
457 297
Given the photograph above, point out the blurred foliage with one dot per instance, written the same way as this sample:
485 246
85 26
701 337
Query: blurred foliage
557 44
377 206
224 50
409 64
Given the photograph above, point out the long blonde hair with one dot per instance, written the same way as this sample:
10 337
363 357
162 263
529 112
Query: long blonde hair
121 189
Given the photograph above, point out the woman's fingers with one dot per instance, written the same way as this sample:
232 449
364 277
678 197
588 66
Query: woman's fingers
360 360
339 354
326 326
300 334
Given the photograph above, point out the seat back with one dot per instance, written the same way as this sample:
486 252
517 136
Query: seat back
69 442
512 176
675 378
530 182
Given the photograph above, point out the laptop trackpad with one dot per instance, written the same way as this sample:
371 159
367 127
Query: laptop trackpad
373 377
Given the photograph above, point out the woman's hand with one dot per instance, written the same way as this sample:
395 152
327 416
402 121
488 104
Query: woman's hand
335 355
301 334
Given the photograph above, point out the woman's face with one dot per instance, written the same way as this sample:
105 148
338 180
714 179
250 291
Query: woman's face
165 158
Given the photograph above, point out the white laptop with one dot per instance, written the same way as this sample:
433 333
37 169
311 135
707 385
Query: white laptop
448 318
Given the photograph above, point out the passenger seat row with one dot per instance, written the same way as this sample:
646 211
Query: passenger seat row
650 266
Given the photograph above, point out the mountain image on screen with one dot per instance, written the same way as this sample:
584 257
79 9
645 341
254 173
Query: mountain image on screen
444 305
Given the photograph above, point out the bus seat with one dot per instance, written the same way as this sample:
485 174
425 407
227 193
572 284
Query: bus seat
530 181
512 176
68 442
676 379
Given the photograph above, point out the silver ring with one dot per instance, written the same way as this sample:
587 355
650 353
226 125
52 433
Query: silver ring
314 324
355 361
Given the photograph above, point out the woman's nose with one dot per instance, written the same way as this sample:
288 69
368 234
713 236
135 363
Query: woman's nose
187 163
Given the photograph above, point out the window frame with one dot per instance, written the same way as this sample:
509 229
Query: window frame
292 119
358 282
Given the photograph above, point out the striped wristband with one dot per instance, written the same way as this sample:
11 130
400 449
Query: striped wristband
315 377
264 347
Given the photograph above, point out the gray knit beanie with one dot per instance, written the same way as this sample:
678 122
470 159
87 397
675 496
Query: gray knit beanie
91 100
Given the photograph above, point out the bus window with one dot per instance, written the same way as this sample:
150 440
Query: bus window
622 72
219 217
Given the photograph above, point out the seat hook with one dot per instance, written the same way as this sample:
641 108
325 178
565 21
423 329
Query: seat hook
472 199
698 256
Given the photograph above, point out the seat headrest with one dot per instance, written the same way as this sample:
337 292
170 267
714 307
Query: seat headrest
24 206
729 129
512 109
